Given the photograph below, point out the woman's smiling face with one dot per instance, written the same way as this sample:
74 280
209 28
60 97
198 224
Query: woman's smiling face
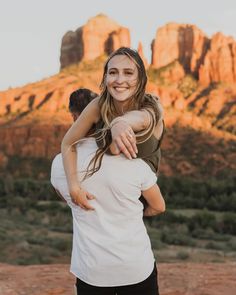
121 78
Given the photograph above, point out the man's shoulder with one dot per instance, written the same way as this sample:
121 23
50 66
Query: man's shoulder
57 168
57 159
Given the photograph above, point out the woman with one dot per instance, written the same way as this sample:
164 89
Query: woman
125 110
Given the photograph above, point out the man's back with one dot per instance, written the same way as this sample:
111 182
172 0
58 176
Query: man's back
112 235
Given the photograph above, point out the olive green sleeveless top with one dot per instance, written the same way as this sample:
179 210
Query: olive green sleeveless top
149 150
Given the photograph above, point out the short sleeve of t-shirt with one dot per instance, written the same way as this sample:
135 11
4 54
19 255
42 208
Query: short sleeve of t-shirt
149 178
58 180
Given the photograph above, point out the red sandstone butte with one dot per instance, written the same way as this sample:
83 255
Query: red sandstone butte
220 61
208 60
183 42
141 53
98 36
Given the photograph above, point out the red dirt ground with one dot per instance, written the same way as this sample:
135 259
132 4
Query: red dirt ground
174 279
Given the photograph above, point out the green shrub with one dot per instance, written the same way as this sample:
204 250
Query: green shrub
213 194
158 75
182 255
228 223
61 244
200 233
188 85
174 237
216 246
203 220
232 245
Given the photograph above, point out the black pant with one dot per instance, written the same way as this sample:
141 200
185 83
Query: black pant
146 287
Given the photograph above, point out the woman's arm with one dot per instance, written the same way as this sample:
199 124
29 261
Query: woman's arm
155 200
78 130
148 119
123 130
138 120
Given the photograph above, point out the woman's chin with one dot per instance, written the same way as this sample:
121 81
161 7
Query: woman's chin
121 98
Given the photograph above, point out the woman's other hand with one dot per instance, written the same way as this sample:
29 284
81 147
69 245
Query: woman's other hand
124 139
81 197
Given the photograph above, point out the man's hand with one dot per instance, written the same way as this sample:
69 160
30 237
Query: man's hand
149 211
124 139
80 197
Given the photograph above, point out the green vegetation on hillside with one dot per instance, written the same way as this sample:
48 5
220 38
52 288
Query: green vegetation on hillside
85 66
212 194
199 224
158 75
188 85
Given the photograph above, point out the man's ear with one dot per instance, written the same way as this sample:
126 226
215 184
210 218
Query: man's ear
75 116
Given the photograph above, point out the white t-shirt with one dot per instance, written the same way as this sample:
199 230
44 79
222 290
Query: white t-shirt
111 246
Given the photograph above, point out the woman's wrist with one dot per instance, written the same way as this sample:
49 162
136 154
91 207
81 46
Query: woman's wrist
74 185
117 120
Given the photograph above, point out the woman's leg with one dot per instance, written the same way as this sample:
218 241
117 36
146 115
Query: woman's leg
86 289
146 287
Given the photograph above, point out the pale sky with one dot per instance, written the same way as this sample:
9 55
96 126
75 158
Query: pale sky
31 30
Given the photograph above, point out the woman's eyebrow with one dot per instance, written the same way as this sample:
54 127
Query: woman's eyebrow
125 69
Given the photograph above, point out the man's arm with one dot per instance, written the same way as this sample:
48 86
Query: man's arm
155 200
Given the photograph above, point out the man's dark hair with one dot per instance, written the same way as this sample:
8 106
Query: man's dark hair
80 98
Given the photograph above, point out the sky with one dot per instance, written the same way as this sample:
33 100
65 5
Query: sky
31 30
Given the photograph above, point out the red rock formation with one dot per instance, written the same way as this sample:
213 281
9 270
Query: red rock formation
37 119
71 48
220 61
210 60
98 36
185 43
140 51
116 39
35 141
33 119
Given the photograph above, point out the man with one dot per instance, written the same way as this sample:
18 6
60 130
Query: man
78 101
111 249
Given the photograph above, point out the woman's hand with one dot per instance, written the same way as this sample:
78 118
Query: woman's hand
124 139
80 197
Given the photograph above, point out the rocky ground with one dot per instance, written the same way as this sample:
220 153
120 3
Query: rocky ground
174 279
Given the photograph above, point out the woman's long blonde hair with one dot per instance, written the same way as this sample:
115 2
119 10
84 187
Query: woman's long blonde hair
138 101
